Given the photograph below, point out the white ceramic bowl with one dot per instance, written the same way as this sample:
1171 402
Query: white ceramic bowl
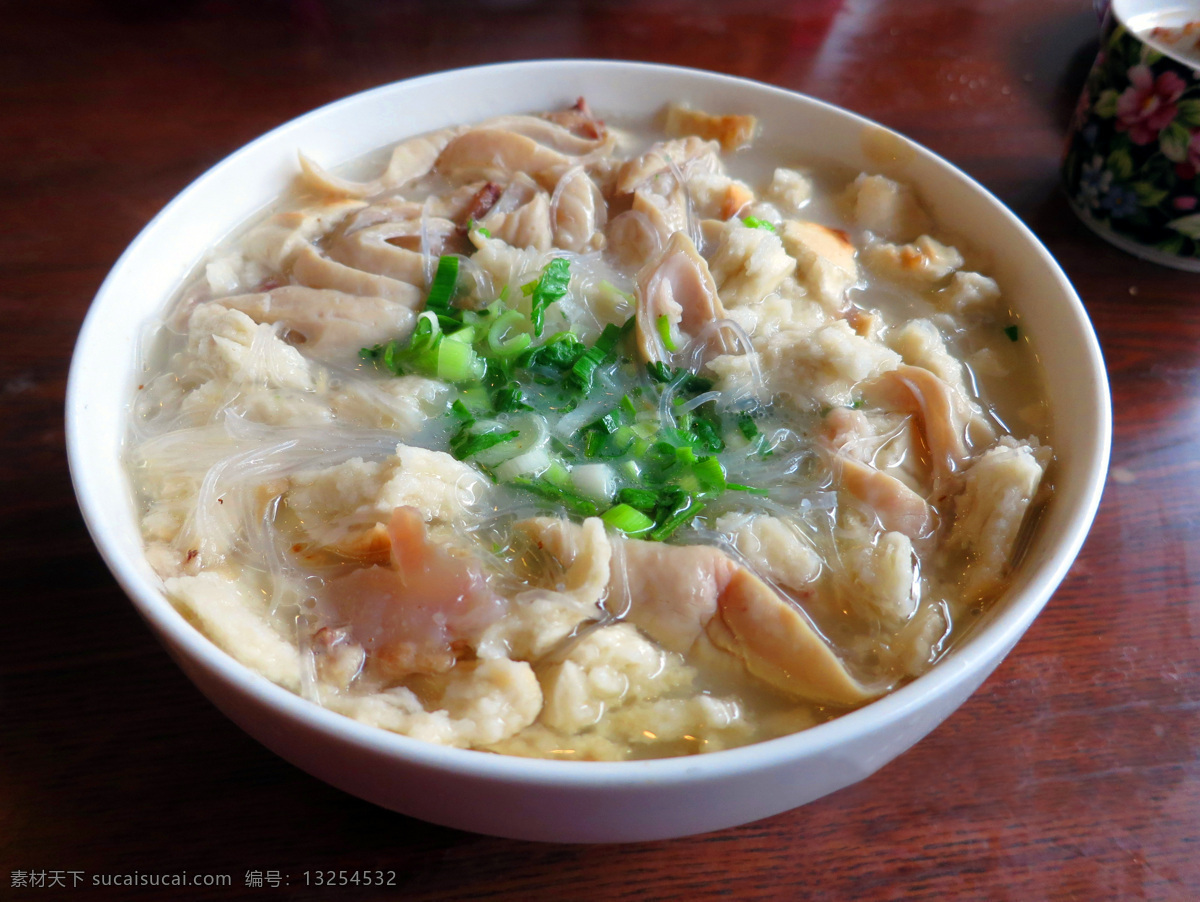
557 800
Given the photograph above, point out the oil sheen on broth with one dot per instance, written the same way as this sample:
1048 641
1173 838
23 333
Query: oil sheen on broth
550 438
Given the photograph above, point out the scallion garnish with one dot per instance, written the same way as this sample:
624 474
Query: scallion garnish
664 332
662 474
445 281
683 513
747 426
500 343
571 500
738 487
467 444
1012 332
457 362
755 223
628 520
583 370
550 286
645 500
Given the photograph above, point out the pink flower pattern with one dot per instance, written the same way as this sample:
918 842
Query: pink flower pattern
1148 105
1132 163
1188 168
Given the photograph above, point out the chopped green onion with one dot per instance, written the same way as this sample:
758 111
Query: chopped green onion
642 499
706 435
445 281
476 398
465 335
711 474
664 332
594 444
583 371
500 346
756 223
1012 332
608 424
473 226
747 426
425 332
624 438
608 338
551 286
558 475
628 520
560 350
457 362
685 379
573 501
466 444
658 371
682 514
660 456
738 487
510 398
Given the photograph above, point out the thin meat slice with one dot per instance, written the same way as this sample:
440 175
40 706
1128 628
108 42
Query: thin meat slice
679 286
579 120
897 507
941 411
316 271
410 160
502 149
393 249
679 157
326 323
420 612
691 597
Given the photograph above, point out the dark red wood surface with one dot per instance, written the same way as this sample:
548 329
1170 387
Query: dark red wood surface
1074 773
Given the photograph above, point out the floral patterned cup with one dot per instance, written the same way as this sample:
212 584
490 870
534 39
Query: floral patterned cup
1132 163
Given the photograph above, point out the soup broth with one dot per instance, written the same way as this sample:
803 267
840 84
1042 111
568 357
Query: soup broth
547 437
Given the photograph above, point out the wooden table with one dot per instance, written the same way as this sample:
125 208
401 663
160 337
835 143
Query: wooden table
1074 773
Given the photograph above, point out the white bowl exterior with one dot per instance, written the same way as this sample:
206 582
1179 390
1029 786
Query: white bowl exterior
578 801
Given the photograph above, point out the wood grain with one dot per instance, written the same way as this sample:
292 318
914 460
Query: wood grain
1074 773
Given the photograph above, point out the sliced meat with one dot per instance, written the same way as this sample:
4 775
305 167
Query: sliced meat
276 242
410 160
682 155
419 613
897 507
580 120
326 323
545 130
500 149
942 412
393 249
481 202
689 596
678 286
521 216
578 212
316 271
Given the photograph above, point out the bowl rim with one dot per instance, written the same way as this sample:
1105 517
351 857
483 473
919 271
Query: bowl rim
987 645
